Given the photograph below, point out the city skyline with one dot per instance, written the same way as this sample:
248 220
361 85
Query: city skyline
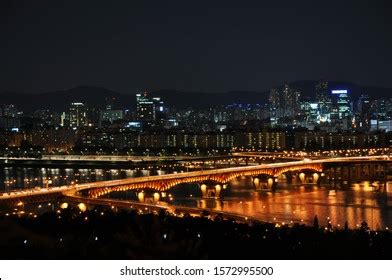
163 130
332 118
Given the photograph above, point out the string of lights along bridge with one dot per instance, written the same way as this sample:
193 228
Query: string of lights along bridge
213 180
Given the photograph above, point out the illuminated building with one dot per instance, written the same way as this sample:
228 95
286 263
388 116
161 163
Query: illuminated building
77 115
51 139
290 101
149 110
343 103
284 104
384 125
45 117
9 117
325 140
159 109
144 108
109 116
276 110
9 110
311 112
324 102
363 111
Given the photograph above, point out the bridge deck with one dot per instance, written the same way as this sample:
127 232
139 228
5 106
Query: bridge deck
203 175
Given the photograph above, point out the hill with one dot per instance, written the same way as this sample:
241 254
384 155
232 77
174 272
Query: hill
96 96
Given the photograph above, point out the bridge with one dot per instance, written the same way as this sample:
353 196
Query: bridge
212 181
112 161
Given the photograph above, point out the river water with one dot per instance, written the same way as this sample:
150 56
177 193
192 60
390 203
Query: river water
14 178
300 204
289 204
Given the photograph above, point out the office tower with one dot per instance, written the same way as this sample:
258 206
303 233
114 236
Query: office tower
159 109
77 115
363 111
276 111
149 110
144 108
324 101
291 103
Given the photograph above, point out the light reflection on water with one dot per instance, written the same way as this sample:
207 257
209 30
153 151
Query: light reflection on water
14 178
291 204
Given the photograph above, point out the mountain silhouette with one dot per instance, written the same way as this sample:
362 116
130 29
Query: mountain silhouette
59 101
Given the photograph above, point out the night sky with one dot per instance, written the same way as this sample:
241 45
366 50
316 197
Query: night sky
192 45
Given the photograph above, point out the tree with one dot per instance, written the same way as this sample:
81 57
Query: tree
329 225
364 226
315 222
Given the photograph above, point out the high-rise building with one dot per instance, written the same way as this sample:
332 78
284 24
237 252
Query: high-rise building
144 108
9 117
322 94
276 110
311 112
110 115
363 111
379 109
64 119
159 109
274 98
363 104
149 110
9 110
324 102
342 105
45 117
284 104
290 101
77 115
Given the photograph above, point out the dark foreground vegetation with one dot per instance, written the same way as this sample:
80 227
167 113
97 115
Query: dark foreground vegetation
103 234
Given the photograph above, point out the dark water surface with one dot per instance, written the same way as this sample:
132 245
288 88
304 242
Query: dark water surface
291 204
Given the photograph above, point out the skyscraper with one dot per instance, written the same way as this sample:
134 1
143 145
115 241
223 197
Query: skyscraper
343 103
77 115
364 111
149 110
276 111
322 94
290 101
159 109
324 100
284 104
144 108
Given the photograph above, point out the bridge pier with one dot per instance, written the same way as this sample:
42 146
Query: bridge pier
272 183
147 197
269 183
211 190
257 183
316 178
289 177
313 178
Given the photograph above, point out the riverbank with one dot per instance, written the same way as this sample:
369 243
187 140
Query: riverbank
105 234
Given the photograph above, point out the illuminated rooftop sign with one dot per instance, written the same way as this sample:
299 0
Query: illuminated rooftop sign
339 91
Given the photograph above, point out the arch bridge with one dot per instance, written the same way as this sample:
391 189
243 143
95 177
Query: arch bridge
212 181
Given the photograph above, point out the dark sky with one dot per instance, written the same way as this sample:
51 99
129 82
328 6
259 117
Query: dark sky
192 45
